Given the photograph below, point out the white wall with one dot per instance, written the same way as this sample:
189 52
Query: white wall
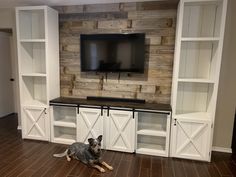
226 102
7 20
6 86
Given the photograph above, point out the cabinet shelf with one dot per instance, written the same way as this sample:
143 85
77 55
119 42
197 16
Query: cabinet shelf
151 145
197 80
33 75
194 97
200 39
202 19
150 149
65 123
32 40
151 132
64 135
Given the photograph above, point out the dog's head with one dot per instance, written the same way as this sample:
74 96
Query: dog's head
95 144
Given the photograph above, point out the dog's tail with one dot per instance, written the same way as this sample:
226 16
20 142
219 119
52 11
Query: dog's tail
61 154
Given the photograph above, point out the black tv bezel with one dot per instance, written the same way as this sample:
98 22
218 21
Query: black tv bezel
101 35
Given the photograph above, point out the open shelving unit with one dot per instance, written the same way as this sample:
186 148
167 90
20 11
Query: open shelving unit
152 133
38 62
199 43
64 124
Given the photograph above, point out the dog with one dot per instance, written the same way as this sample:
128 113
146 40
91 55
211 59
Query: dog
89 154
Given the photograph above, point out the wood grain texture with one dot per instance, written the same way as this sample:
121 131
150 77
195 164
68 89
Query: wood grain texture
28 158
156 19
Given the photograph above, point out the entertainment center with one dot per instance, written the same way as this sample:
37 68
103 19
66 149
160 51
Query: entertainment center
126 126
182 129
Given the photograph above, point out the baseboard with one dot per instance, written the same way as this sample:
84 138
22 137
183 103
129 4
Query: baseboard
19 127
221 149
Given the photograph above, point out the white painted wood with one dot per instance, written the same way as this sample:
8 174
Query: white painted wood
38 58
153 132
191 139
151 145
207 81
64 135
222 149
90 124
200 19
198 53
33 59
36 123
193 97
197 61
120 134
200 39
52 53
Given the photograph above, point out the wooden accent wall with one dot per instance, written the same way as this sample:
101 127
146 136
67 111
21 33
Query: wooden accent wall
156 19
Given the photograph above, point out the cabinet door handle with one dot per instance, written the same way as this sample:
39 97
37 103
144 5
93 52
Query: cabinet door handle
175 122
102 111
45 112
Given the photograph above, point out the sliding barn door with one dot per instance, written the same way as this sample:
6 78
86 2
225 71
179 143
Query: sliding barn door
120 131
90 124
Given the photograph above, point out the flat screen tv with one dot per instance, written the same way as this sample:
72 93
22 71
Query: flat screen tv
112 52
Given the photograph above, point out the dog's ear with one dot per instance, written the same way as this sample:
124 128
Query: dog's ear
90 140
99 138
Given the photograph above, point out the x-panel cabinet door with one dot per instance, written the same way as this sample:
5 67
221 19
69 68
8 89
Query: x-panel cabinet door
90 124
36 123
120 131
191 139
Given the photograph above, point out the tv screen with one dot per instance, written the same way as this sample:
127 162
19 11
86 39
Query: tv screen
112 52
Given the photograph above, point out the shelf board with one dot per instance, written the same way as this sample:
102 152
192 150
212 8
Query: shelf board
195 115
32 40
33 75
197 80
150 149
151 132
200 39
65 123
64 139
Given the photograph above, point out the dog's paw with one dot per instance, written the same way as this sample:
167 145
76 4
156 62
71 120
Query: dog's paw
68 159
110 168
102 170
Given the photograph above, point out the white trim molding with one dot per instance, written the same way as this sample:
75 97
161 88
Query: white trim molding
221 149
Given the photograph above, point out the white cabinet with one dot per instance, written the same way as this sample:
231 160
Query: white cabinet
120 131
153 133
123 129
63 124
191 139
90 124
117 128
38 63
36 123
198 52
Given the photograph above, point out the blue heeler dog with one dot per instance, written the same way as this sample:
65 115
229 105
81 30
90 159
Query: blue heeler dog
89 154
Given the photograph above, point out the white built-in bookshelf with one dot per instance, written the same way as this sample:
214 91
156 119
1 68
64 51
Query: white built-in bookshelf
38 61
198 52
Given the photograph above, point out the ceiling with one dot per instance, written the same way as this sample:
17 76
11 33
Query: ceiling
14 3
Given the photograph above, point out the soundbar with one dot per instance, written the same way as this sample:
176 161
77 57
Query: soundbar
115 99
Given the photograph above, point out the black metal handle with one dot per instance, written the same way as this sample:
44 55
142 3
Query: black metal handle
175 122
102 111
45 112
12 79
